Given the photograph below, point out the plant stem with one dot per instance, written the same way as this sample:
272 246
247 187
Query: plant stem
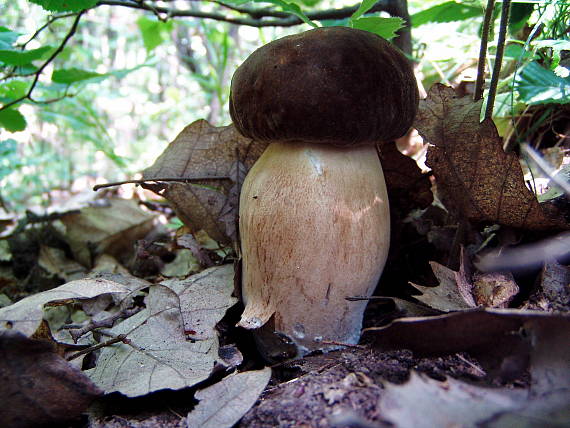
483 51
505 12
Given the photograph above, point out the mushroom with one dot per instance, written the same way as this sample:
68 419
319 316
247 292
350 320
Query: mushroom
314 215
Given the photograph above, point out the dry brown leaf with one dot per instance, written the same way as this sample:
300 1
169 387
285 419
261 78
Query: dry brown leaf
446 296
453 292
475 177
39 388
495 290
407 187
110 226
202 150
498 338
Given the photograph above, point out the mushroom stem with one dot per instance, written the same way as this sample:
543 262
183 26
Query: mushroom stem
315 229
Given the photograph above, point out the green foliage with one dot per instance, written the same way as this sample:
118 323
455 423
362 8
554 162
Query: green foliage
556 46
364 7
72 75
65 5
12 90
153 31
20 58
291 8
537 85
446 12
9 159
520 14
384 27
12 120
7 38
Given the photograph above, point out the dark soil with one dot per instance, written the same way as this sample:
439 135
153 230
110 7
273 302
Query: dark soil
343 388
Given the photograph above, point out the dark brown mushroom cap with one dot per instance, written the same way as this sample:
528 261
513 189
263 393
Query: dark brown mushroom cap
333 85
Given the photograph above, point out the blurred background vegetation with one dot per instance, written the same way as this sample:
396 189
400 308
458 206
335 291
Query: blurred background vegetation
102 103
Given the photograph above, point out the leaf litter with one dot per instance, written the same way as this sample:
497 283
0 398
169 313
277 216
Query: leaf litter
161 335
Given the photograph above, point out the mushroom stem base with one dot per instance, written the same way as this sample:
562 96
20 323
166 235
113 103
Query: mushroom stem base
315 228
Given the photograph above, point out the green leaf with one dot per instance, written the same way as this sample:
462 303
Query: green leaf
7 38
364 7
557 46
65 5
72 75
520 13
153 31
445 12
13 89
537 85
20 58
292 8
12 120
384 27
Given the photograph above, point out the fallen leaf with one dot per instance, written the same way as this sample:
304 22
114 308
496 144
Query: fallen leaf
157 353
444 404
449 295
494 290
223 404
27 314
183 265
204 299
455 403
55 262
202 150
189 242
407 187
110 226
474 175
493 336
38 387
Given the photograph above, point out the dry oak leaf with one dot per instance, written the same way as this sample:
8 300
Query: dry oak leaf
202 150
475 177
105 226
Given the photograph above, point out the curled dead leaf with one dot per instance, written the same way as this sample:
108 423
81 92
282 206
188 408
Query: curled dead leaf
476 178
200 151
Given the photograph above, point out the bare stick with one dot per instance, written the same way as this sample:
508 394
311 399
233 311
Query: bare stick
505 12
483 51
255 17
120 338
105 323
154 180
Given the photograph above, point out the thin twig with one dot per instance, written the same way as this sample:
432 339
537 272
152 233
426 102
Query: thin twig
154 180
505 12
76 333
287 20
120 338
50 21
483 51
28 95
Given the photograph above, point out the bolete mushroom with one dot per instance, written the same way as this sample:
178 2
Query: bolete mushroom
314 216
